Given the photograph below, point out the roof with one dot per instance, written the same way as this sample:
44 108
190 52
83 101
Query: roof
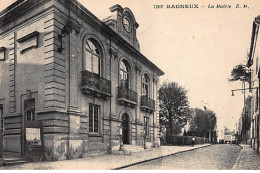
253 40
21 6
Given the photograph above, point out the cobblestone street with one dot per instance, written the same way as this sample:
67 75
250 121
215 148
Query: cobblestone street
212 157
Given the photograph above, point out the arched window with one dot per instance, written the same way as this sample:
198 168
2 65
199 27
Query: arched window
124 74
145 85
93 57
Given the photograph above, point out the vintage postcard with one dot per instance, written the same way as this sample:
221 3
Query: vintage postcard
129 85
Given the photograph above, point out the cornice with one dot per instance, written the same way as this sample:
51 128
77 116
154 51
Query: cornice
253 43
17 9
21 7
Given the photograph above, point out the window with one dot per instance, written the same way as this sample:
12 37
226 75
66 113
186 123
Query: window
145 85
124 74
93 57
94 111
30 110
146 126
1 116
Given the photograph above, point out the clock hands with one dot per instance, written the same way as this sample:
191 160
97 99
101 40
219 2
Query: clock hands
126 24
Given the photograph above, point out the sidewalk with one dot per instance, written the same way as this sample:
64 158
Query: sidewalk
105 162
249 159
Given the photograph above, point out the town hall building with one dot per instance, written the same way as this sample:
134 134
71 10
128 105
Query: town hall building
73 84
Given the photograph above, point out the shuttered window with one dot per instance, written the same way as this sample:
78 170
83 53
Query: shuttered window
146 126
30 110
94 118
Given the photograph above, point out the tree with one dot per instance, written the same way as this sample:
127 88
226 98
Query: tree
174 106
246 117
184 133
240 73
202 121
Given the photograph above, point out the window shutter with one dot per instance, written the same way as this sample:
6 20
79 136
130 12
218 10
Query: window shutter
1 116
256 99
90 118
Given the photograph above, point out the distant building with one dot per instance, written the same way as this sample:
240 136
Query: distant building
85 80
229 137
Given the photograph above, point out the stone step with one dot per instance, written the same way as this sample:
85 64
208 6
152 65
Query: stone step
129 150
14 161
133 148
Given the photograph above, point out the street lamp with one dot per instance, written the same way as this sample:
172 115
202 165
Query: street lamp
121 141
244 110
243 89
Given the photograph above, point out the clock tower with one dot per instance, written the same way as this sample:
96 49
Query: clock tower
123 23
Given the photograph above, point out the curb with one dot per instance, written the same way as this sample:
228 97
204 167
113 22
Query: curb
235 165
155 158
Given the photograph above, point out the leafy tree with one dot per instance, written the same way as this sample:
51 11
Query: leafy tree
174 106
248 113
240 73
211 119
184 133
202 121
246 117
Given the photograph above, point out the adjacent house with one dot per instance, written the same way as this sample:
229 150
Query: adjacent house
253 64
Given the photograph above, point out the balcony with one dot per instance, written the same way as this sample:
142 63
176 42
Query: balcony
147 104
93 84
127 97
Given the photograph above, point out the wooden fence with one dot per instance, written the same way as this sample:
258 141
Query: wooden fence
184 140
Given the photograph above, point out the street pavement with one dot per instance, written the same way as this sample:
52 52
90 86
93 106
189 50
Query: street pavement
249 159
206 156
216 157
105 162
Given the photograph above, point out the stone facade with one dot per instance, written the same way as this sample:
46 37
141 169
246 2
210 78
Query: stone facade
62 66
253 64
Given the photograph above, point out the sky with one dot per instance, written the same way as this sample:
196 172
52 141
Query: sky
197 48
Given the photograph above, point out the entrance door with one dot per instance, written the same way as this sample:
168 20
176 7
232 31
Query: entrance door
125 128
29 120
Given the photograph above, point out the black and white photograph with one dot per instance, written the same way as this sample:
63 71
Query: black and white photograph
129 85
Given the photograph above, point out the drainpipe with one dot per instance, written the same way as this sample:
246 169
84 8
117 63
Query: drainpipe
154 113
136 129
110 116
257 117
69 55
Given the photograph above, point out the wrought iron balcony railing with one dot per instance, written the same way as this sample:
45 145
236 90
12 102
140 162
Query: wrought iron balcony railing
127 96
92 83
147 104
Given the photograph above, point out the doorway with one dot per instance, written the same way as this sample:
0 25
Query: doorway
126 129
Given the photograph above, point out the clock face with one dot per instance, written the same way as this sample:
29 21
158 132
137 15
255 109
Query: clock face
127 24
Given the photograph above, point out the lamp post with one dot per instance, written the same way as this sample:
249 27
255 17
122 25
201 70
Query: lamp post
121 141
244 109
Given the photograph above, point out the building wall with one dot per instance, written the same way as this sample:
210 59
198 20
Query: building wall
21 71
254 67
54 79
